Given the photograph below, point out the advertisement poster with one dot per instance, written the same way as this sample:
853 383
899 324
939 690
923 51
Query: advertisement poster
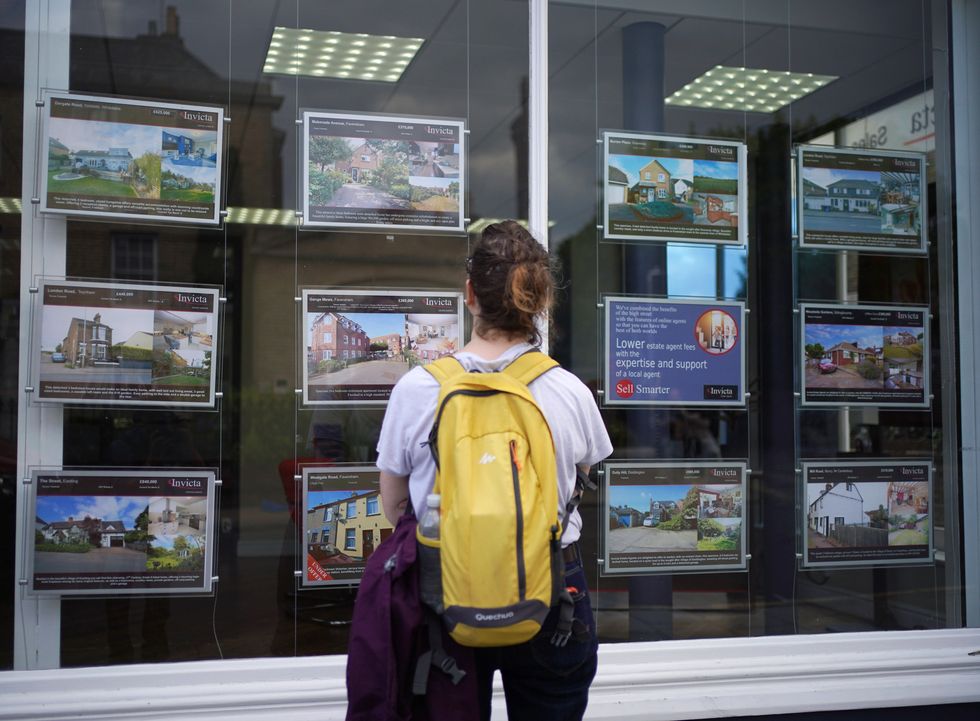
867 512
382 172
137 160
680 516
674 352
108 531
865 355
858 199
667 188
122 344
358 343
343 523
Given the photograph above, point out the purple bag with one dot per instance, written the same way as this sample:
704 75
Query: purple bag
401 665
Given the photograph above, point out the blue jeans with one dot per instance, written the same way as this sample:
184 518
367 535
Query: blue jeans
541 681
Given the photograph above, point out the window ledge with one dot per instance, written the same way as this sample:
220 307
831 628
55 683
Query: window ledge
715 678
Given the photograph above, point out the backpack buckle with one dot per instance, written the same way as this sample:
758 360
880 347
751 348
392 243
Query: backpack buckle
566 614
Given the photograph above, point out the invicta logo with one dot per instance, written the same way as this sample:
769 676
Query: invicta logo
487 458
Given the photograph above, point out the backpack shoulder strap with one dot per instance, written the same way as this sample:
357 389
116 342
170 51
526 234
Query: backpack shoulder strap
529 366
445 369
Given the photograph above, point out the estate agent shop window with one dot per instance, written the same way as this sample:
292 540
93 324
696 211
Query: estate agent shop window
238 224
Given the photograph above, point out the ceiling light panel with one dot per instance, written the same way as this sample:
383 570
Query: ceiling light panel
333 54
747 89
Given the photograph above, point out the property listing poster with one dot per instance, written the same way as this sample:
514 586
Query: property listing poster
382 172
864 355
130 159
853 199
122 344
343 522
674 352
680 516
668 188
867 512
358 343
106 531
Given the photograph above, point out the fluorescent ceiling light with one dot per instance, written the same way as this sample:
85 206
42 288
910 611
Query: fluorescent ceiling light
747 89
262 216
333 54
10 205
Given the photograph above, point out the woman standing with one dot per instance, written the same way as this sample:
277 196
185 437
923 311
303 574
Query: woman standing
509 291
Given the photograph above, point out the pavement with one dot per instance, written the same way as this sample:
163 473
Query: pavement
627 540
95 561
355 195
366 373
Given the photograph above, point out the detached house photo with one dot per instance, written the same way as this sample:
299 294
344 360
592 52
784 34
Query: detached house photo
358 173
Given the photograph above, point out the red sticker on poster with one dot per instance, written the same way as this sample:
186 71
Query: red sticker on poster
314 571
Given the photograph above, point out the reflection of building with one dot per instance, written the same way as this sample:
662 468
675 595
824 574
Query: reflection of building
335 337
839 504
104 534
354 526
654 184
854 196
88 341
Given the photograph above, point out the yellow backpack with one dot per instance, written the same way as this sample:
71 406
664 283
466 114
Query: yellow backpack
496 569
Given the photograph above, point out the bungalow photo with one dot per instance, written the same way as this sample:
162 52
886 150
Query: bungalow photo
844 356
80 343
95 158
182 347
374 348
189 165
845 200
650 189
343 528
653 518
90 534
359 173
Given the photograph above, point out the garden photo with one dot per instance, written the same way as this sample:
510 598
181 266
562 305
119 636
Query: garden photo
359 173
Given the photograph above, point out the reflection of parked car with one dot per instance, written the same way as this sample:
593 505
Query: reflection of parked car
57 357
826 365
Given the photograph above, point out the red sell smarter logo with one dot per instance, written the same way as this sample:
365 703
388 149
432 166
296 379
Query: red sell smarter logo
625 388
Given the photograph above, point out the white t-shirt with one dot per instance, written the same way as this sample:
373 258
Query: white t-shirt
568 406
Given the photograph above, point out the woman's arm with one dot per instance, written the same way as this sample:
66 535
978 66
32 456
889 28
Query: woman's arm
394 495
